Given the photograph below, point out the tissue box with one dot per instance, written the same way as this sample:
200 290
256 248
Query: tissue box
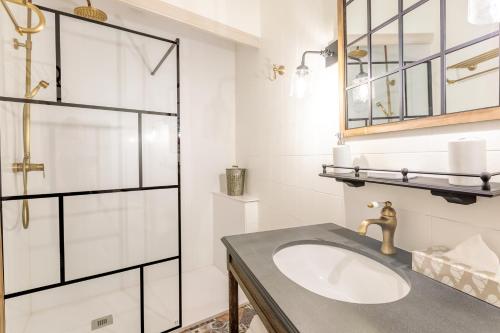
434 264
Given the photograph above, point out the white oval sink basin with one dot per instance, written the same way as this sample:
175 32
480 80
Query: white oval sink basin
340 274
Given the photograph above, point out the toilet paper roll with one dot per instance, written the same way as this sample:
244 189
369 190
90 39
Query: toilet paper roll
467 156
342 157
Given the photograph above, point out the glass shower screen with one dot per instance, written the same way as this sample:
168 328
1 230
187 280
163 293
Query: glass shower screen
102 248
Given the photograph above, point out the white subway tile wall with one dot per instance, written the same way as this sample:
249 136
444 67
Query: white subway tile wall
159 150
107 232
283 141
120 69
82 149
31 256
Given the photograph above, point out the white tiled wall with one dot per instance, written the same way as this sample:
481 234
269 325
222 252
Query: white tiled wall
31 257
110 231
159 150
283 141
119 64
82 149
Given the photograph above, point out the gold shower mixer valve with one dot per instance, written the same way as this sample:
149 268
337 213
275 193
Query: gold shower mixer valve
28 167
17 44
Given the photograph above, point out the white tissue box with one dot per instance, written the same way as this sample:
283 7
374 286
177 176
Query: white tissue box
434 264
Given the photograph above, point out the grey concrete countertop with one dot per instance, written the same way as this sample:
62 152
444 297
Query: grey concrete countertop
429 307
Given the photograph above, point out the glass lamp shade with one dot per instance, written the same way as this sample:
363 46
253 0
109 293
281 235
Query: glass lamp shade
300 82
484 11
360 94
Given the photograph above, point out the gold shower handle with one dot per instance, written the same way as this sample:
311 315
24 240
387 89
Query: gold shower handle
19 167
25 30
25 168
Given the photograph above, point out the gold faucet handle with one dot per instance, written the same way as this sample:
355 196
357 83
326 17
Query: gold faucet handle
387 209
377 204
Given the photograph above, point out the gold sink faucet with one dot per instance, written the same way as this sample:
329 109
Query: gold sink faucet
387 222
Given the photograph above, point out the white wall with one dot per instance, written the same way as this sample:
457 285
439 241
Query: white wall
284 141
240 14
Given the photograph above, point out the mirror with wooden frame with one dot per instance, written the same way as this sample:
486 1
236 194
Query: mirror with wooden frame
411 64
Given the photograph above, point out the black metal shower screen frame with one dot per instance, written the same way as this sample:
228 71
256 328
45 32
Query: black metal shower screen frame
60 196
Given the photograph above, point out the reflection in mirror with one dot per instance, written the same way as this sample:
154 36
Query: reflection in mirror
472 77
357 63
458 28
382 11
422 40
423 90
356 20
417 65
385 50
385 100
358 106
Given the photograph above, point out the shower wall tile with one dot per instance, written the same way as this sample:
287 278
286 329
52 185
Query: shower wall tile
112 231
161 297
97 59
159 150
13 62
72 308
82 149
31 256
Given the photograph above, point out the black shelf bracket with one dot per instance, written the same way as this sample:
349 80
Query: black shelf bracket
352 183
461 199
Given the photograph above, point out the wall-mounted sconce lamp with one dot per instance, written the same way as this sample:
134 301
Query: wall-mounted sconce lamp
300 82
277 70
484 11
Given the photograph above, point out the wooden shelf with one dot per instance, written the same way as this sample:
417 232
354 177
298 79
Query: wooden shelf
463 195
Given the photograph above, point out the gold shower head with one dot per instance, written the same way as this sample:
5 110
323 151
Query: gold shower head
42 84
357 53
91 12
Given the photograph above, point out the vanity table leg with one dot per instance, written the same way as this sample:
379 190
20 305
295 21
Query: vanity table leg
233 304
